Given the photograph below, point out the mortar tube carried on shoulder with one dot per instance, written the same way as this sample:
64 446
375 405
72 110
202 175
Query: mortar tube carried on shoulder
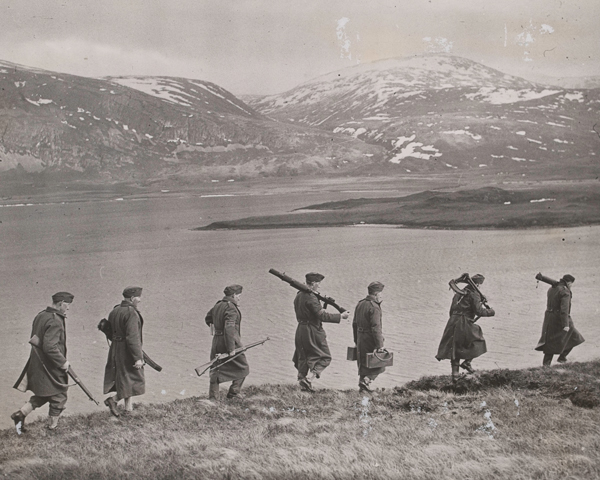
304 288
548 280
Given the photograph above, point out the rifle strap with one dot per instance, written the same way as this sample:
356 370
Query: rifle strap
52 379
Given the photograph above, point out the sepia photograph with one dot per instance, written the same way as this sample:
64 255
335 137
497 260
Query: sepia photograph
328 239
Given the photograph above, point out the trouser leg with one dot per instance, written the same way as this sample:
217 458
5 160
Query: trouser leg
57 404
213 389
236 387
547 359
455 364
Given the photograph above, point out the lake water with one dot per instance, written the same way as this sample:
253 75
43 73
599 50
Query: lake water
95 249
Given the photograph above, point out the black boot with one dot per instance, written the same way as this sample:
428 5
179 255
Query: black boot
547 359
467 366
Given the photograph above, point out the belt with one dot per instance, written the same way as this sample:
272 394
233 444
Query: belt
303 323
553 311
218 332
364 330
118 339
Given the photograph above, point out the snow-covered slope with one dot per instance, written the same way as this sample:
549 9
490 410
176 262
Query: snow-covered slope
439 111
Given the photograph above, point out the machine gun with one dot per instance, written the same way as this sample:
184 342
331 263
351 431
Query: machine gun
303 288
548 280
465 278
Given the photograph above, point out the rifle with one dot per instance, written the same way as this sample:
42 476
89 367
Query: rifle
105 327
225 358
548 280
303 288
35 341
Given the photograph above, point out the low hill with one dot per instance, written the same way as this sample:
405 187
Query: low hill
138 128
502 424
488 207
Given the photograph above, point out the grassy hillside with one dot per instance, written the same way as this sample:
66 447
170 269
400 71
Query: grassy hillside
502 424
488 207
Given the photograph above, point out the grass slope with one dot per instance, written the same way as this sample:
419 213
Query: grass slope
503 424
488 207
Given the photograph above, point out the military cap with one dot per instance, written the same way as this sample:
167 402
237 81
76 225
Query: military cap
63 297
232 289
478 278
568 278
313 277
130 292
375 287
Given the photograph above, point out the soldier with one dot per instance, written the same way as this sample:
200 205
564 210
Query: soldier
225 318
124 372
368 334
463 338
312 354
559 334
46 371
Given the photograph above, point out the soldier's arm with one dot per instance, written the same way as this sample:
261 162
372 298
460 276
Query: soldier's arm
232 337
375 324
478 307
133 336
51 341
355 327
565 306
315 307
209 317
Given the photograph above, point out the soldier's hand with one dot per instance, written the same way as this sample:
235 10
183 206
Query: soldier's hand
491 312
231 354
138 364
566 329
345 315
66 366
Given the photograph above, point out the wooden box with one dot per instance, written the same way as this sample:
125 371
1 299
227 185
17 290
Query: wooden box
352 354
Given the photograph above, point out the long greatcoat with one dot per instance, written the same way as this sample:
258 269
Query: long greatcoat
554 339
49 326
312 351
126 348
463 338
368 333
226 318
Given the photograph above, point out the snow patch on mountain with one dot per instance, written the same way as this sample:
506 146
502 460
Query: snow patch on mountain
499 96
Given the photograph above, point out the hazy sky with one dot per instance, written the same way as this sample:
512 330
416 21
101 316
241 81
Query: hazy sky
269 46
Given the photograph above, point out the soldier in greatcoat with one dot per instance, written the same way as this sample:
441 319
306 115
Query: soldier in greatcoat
463 338
226 318
45 373
124 372
368 334
312 354
559 334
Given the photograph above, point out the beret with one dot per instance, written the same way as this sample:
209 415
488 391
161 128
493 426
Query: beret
130 292
314 277
63 297
232 289
375 287
568 278
478 278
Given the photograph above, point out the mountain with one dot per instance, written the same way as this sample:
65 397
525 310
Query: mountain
440 112
141 128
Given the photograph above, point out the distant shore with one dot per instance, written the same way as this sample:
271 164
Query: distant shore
502 424
484 208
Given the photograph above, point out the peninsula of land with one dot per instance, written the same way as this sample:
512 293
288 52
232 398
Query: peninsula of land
484 208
